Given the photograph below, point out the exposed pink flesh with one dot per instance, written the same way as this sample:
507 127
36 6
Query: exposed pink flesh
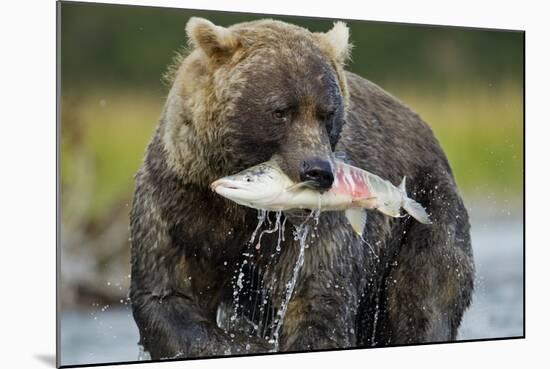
351 182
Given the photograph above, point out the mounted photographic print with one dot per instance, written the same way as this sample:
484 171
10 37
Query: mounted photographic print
239 184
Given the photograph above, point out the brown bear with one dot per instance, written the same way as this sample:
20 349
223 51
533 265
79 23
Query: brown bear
270 90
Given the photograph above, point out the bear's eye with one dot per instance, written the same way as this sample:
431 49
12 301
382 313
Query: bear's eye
328 126
281 114
326 116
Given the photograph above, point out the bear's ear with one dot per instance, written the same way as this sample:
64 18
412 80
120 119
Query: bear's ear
338 42
215 41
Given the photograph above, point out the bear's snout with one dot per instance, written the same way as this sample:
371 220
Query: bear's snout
317 171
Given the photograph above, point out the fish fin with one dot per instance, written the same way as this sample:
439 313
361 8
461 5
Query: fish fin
366 202
389 211
412 207
402 186
357 218
416 210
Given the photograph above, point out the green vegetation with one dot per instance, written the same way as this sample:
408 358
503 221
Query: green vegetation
131 46
481 130
110 132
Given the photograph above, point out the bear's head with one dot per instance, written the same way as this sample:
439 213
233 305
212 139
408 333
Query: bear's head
253 92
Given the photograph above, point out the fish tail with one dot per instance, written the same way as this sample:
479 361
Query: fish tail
412 207
416 211
402 186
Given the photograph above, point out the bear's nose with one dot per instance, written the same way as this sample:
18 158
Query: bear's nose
318 172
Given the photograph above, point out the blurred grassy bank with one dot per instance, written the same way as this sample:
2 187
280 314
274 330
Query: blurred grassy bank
106 132
480 128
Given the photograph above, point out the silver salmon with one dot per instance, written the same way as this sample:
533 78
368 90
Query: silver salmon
267 187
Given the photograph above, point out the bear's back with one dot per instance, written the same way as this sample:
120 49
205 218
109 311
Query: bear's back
384 136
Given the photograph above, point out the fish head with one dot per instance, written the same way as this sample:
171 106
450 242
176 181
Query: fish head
257 187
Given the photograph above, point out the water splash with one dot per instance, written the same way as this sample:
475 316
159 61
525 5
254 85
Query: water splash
238 277
374 253
375 323
300 235
238 284
281 237
261 329
362 237
142 354
271 230
262 215
268 322
237 289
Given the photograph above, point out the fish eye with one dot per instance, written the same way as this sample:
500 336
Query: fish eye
248 179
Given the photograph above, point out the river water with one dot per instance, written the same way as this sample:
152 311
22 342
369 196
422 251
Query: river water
109 334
